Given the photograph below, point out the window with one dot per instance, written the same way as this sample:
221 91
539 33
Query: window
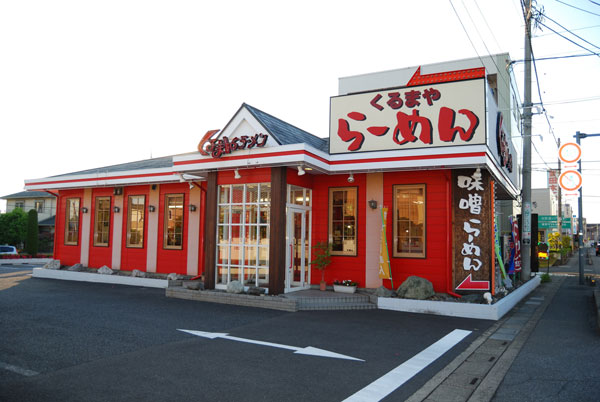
409 221
136 206
243 229
173 232
102 221
39 206
342 220
72 222
20 204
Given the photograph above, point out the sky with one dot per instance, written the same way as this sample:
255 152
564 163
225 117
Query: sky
88 84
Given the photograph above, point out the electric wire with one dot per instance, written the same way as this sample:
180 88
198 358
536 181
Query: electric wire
568 30
577 8
573 42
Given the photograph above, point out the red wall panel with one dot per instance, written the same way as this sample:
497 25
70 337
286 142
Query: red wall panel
342 267
67 254
169 260
133 258
260 175
436 266
101 255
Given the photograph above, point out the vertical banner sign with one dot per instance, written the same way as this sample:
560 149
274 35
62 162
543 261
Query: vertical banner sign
515 234
526 223
384 257
498 249
472 230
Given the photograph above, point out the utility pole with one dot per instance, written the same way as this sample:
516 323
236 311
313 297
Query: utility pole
559 198
578 137
526 197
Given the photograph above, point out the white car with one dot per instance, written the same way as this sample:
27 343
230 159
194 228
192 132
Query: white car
8 250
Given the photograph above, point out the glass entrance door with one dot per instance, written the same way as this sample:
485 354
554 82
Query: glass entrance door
297 253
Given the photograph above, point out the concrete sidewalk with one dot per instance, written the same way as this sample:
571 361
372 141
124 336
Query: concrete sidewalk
546 349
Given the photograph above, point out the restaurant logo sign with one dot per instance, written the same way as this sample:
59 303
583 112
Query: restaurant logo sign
218 147
433 115
472 230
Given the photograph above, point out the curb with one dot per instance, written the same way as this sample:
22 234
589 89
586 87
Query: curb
18 261
98 278
456 309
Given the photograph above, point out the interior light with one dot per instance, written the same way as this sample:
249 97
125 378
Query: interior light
237 175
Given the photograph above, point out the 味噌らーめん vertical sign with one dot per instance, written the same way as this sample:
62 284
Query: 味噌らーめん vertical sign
433 115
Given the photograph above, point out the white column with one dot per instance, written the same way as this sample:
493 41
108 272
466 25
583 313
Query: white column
117 233
193 232
86 220
152 242
373 230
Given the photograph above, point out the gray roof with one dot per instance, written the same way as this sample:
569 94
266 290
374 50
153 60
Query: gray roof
48 221
155 163
285 133
27 194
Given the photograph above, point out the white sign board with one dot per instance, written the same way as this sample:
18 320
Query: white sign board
427 116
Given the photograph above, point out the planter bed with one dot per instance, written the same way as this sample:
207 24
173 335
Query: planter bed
456 309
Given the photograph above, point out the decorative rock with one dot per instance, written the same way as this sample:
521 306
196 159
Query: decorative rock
173 276
382 291
136 273
415 287
235 287
54 264
255 291
104 270
76 267
193 285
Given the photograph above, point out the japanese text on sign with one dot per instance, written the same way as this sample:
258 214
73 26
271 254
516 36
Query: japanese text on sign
218 147
434 115
470 250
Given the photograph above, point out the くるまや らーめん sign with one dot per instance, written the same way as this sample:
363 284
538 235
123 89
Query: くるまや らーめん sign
433 115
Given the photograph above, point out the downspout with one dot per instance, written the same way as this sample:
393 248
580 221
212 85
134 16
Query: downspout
449 240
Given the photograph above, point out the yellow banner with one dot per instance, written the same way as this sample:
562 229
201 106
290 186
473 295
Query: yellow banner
384 258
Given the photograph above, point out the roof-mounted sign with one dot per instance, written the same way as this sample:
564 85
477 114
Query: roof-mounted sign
217 147
432 115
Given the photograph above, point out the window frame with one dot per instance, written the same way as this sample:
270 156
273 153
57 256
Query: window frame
395 253
128 243
330 221
67 242
38 205
97 200
166 221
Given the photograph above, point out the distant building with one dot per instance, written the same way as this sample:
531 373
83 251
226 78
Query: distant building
45 205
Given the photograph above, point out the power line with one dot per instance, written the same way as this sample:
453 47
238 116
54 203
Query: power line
577 8
568 30
573 42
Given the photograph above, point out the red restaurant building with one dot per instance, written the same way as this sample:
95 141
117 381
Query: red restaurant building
430 144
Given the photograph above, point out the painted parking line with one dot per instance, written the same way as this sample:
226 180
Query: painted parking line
18 370
387 384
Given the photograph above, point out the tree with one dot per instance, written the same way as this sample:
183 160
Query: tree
13 226
31 243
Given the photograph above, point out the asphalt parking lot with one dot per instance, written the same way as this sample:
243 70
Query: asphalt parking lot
73 341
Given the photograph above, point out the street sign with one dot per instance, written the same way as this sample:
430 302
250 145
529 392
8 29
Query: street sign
570 180
547 221
569 152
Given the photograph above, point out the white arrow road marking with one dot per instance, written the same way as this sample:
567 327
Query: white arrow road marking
309 350
385 385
